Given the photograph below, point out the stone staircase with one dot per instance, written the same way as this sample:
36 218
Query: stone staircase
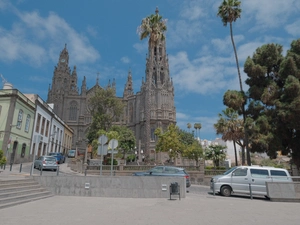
19 191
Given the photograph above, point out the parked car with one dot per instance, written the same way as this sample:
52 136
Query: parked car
45 162
166 171
71 153
59 157
239 179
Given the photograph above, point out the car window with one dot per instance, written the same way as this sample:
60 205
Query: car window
171 170
259 173
240 172
50 159
158 169
278 173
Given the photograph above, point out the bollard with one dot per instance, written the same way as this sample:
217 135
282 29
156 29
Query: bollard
250 191
31 169
20 168
10 167
4 166
57 171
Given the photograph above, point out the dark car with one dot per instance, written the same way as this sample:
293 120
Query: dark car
166 171
59 157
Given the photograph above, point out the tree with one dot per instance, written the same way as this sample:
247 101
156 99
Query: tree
274 94
231 128
105 109
189 126
230 11
153 27
193 151
215 153
197 127
169 141
126 139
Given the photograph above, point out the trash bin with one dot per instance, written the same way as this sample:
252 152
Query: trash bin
174 189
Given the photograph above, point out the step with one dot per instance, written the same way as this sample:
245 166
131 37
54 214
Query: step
24 197
18 188
18 184
21 192
10 204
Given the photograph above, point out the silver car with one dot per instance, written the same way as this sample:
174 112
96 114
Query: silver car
46 162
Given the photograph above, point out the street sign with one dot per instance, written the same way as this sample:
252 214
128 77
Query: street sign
102 149
102 139
113 143
115 151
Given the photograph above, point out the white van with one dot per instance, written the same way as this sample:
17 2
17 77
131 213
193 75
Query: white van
239 179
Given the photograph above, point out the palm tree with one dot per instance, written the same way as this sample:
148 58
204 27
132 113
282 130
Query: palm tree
230 11
197 127
153 27
231 128
189 126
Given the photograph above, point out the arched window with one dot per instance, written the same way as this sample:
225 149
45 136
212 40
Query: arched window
23 151
27 124
73 111
20 118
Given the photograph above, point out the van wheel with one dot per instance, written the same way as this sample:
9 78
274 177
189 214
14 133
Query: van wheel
226 191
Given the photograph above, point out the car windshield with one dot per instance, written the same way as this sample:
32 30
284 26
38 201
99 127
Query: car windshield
229 171
52 153
50 159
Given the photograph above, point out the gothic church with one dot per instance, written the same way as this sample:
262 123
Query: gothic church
70 104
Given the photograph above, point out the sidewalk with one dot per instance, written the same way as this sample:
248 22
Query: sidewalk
14 171
194 209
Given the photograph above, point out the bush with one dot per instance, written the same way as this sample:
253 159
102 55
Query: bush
108 162
2 158
130 158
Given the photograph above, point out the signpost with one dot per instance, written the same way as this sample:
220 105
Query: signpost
102 140
113 143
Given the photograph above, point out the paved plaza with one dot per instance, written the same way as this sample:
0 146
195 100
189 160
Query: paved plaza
194 209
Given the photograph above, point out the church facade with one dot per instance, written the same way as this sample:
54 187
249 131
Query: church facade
156 94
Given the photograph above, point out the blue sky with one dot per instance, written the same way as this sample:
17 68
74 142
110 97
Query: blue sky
101 37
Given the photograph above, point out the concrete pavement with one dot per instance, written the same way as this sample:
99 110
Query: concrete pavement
194 209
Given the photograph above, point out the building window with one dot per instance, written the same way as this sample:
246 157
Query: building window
20 118
37 128
27 124
73 111
23 151
47 128
43 126
152 134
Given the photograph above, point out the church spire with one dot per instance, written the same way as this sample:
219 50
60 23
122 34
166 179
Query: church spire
128 89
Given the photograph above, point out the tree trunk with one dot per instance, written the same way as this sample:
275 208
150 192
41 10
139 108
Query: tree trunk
235 154
243 107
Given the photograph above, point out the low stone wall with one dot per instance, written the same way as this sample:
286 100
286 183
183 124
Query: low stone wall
283 191
118 186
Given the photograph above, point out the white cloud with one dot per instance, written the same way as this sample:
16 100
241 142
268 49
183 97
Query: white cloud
141 47
125 60
269 14
293 28
205 75
33 36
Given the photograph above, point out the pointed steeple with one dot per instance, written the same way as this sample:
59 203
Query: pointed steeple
128 89
83 87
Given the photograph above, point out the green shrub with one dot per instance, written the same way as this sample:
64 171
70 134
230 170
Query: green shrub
2 158
108 162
